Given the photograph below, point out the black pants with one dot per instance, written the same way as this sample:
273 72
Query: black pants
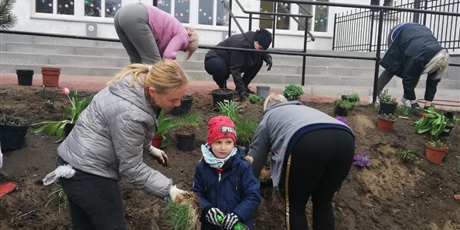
95 202
220 71
319 163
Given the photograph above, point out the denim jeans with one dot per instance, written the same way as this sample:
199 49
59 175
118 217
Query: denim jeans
95 202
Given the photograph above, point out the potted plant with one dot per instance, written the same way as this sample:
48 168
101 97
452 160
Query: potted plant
387 103
12 132
434 123
450 123
353 97
385 122
188 126
292 92
255 99
160 139
184 107
341 107
71 114
221 95
245 128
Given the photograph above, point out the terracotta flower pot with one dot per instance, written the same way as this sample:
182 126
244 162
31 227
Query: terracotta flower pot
51 76
156 142
435 155
385 125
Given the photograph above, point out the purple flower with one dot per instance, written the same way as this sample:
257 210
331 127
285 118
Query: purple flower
362 160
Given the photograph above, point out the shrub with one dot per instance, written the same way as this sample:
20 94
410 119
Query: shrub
292 92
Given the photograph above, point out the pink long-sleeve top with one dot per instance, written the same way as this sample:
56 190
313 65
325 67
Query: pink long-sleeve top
170 35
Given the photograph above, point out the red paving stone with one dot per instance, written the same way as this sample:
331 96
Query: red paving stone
96 83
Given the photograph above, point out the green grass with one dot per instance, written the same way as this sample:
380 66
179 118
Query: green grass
405 154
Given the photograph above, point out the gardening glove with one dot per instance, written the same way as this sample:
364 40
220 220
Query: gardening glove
229 221
213 216
159 155
243 95
269 63
61 171
174 192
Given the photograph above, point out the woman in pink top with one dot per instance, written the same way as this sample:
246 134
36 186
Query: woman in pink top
150 34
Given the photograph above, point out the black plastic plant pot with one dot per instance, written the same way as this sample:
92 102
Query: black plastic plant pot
340 111
221 95
185 106
25 76
185 142
68 128
12 137
386 108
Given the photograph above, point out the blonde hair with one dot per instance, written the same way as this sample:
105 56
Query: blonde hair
272 99
164 76
193 42
439 64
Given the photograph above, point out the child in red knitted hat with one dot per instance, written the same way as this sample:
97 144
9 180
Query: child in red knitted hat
224 181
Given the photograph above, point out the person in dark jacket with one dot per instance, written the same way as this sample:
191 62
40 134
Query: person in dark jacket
311 155
224 180
413 51
109 141
221 63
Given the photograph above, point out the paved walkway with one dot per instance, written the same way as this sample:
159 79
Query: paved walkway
96 83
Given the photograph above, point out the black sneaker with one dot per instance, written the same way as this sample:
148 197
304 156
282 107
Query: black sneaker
415 109
249 91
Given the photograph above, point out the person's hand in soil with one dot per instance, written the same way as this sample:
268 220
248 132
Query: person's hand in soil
159 155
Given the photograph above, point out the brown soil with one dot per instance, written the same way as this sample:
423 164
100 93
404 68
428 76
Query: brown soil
390 194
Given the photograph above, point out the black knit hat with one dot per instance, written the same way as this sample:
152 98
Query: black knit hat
264 38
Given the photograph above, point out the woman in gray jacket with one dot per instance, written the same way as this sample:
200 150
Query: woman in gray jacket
311 155
110 138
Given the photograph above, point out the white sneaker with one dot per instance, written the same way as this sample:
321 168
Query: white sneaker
405 102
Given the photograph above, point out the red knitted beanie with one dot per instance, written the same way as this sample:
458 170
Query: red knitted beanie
221 127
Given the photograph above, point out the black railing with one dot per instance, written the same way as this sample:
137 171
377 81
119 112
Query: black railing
356 31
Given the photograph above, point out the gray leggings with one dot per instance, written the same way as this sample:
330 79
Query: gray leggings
132 26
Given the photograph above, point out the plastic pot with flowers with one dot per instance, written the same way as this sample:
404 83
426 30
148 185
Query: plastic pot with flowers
433 123
70 114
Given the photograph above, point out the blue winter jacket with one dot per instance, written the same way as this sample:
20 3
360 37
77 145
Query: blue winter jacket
237 191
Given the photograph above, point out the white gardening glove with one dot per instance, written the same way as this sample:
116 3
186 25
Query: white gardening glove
159 155
62 171
213 216
174 191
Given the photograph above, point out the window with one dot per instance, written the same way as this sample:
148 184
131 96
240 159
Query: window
206 15
87 8
98 8
320 16
181 9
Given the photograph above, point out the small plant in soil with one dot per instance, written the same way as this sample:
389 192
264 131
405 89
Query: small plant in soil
388 117
406 155
254 99
245 128
432 122
385 97
362 160
457 167
353 97
164 124
229 109
292 92
405 111
189 122
438 143
59 194
347 105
